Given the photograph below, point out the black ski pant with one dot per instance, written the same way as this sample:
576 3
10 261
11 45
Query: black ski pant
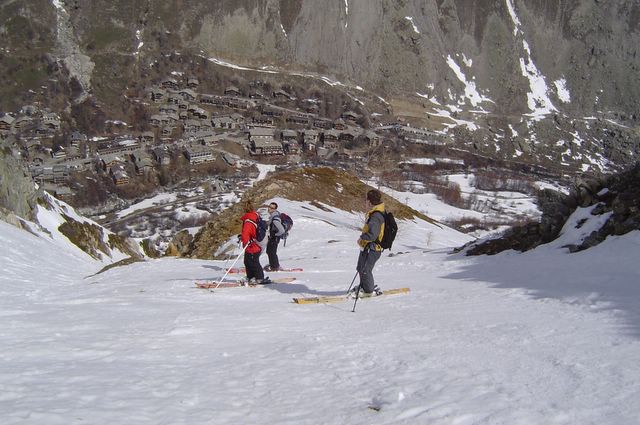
252 266
272 252
366 261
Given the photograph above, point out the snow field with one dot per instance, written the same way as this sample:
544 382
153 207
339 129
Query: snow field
479 340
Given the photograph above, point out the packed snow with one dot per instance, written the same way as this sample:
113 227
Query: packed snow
413 24
538 99
544 337
470 90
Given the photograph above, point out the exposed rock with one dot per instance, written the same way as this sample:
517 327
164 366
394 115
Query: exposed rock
86 236
179 245
618 195
18 193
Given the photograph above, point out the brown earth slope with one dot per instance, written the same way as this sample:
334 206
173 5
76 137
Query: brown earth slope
318 186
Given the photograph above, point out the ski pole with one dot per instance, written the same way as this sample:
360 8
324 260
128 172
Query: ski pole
233 264
354 279
356 301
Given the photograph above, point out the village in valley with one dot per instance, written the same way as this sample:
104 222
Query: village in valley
188 134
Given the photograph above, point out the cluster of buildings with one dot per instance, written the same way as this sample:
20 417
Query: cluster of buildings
185 121
272 122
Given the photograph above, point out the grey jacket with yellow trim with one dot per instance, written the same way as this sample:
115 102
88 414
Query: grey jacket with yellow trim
373 229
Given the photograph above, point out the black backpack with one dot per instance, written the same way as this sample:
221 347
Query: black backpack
261 228
287 223
390 230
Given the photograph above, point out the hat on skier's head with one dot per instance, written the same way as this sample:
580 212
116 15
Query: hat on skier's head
374 196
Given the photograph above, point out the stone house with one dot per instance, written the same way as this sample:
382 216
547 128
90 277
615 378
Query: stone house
289 135
6 123
331 139
144 165
173 97
260 133
199 154
120 177
60 173
298 120
156 120
371 138
191 126
22 123
272 112
188 95
266 147
168 108
263 121
162 156
224 122
169 83
146 137
350 116
291 147
158 95
323 123
193 83
166 131
347 135
311 135
60 153
262 142
235 103
339 124
232 91
77 138
204 137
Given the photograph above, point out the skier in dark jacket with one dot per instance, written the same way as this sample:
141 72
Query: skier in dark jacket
276 231
369 242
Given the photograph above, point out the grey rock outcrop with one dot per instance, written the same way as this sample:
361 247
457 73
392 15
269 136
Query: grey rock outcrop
617 195
18 193
387 46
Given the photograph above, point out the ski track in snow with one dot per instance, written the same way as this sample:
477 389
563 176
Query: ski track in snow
140 344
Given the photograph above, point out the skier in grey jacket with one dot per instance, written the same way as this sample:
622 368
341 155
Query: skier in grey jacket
369 243
276 231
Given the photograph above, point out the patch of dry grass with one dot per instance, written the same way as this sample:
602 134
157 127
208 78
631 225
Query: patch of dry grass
322 187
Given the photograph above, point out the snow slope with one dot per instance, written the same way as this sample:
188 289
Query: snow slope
544 337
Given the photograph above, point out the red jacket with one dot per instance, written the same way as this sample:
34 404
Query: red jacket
248 235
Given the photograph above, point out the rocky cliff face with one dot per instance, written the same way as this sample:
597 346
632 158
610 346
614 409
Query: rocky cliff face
615 199
509 70
18 193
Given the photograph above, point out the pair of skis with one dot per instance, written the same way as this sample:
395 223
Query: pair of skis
238 270
340 298
298 300
238 284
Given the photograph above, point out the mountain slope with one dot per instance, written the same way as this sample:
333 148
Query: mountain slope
507 78
473 342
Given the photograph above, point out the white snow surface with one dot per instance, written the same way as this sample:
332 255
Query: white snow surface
544 337
470 90
413 24
537 99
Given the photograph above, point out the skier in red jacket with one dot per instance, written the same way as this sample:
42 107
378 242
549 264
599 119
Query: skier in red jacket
253 250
